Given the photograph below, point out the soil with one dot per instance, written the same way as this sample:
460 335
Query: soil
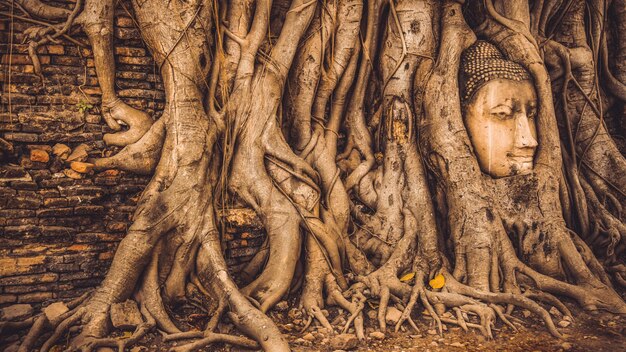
604 332
598 332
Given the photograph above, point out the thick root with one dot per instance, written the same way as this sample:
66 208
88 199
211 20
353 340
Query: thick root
138 123
140 157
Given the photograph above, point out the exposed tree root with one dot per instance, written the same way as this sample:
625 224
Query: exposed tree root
140 157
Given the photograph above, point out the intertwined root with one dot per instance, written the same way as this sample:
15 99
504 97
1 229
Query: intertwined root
92 319
454 304
84 315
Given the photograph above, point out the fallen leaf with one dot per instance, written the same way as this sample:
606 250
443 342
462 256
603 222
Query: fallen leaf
438 282
407 277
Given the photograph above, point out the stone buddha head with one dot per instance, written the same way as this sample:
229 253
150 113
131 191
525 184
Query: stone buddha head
499 108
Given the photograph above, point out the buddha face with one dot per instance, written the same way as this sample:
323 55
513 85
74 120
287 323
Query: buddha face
500 120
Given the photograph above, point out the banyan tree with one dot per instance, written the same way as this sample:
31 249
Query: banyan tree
447 156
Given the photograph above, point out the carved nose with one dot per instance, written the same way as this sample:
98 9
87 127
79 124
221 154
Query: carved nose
523 133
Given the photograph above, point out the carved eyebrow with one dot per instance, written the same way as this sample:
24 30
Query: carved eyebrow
502 105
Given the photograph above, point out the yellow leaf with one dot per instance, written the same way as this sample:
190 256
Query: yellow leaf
438 282
126 334
407 277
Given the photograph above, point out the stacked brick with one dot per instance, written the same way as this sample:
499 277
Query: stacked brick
242 235
58 234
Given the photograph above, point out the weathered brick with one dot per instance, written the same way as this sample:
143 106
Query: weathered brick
36 297
74 276
16 213
88 237
63 267
24 265
106 256
23 59
57 212
131 75
24 202
141 93
116 226
5 194
242 252
13 173
30 249
126 33
124 21
81 190
21 231
11 127
74 292
57 230
106 181
25 185
20 221
18 99
16 312
56 182
29 164
55 49
67 60
39 175
6 299
55 202
125 51
88 210
21 137
127 189
23 288
135 60
39 155
6 117
29 279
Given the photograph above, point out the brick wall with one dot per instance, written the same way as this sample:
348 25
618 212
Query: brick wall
58 234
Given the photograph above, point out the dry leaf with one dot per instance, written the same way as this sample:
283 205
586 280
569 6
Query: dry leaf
438 282
407 277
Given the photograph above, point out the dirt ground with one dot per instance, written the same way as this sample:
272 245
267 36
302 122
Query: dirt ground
599 332
586 333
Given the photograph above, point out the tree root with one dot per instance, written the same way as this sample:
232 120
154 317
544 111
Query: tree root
138 122
140 157
40 323
210 338
487 306
121 344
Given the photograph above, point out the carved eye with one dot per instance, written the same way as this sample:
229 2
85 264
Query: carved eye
502 114
532 113
502 111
